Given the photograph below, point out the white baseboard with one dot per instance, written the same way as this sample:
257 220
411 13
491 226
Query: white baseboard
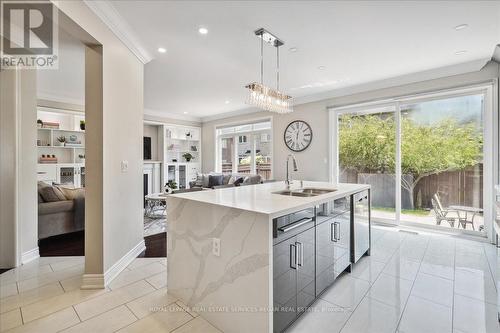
93 281
121 264
100 281
30 255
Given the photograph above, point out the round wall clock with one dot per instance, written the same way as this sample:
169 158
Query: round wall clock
298 135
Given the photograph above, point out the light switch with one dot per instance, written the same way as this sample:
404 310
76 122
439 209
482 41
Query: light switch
124 166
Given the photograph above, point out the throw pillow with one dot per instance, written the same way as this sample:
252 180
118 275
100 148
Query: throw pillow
238 181
205 180
72 193
215 180
226 179
199 180
51 194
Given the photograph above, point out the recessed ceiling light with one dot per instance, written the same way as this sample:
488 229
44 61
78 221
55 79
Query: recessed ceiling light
321 68
460 52
227 102
293 49
203 31
185 112
162 50
461 26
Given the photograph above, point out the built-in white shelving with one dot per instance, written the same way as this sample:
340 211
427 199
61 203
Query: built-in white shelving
70 166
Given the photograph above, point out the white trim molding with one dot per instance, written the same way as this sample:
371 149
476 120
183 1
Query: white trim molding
30 255
121 264
93 281
105 10
100 281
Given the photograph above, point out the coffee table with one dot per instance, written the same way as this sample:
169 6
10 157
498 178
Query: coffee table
156 205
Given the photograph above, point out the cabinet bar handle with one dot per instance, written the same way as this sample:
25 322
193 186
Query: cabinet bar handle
294 252
295 225
300 248
332 232
337 231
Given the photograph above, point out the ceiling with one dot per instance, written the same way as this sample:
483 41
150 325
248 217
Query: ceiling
356 42
66 83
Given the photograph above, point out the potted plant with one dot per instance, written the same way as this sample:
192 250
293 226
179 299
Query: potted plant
82 125
61 140
170 186
39 123
187 156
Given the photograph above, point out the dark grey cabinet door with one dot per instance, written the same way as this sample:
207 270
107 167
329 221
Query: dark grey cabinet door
325 254
305 243
342 237
284 284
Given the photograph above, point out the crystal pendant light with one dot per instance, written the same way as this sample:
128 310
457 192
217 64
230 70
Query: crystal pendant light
262 96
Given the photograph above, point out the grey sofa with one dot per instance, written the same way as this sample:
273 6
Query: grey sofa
62 216
229 180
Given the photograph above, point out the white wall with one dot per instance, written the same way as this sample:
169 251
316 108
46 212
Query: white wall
67 83
122 132
313 162
18 196
8 169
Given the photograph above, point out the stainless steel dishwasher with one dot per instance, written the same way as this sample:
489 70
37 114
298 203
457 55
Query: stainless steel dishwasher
360 235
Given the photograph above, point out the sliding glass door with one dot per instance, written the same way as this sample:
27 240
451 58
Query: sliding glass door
367 155
425 158
442 162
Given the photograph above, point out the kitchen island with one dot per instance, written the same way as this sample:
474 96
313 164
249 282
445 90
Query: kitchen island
234 254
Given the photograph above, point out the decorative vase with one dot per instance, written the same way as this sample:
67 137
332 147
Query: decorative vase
82 126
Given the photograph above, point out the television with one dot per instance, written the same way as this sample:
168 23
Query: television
147 147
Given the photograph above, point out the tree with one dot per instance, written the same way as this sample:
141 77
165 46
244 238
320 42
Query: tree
368 144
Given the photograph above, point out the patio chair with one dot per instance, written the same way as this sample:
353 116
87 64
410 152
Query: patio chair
449 215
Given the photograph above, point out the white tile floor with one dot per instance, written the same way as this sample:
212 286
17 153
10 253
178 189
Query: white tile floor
411 283
44 296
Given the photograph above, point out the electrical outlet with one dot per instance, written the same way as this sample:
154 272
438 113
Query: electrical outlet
216 247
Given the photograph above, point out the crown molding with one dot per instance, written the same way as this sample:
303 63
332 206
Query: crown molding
496 54
105 10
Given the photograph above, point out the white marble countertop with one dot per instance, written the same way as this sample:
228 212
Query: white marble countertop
260 198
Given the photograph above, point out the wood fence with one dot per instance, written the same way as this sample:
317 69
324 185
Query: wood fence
263 169
464 187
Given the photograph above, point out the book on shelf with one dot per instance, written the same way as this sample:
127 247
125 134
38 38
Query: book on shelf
45 160
51 125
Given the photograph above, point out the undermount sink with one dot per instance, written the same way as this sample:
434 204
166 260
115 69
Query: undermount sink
305 192
295 193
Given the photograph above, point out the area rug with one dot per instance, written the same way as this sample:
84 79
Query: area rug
154 226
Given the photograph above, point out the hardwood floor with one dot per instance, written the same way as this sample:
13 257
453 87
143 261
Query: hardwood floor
156 246
74 245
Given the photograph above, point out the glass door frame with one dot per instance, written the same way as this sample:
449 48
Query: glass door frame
491 144
251 136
